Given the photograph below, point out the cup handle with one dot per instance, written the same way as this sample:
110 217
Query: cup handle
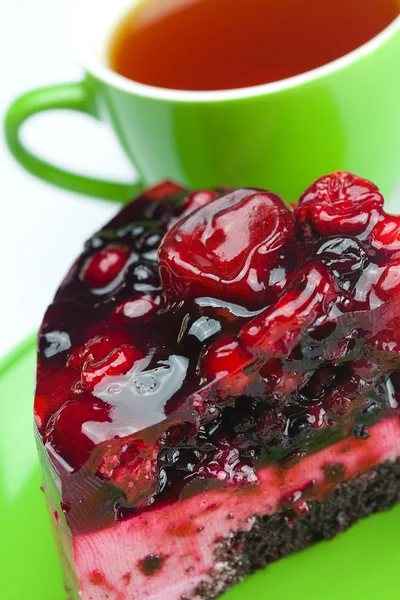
72 96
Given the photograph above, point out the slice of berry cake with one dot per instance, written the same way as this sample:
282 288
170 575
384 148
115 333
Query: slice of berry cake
218 384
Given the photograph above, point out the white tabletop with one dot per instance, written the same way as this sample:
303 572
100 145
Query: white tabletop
42 227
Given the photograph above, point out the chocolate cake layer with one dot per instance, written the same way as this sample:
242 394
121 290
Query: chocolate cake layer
275 536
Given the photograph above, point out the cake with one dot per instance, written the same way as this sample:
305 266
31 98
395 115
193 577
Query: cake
218 385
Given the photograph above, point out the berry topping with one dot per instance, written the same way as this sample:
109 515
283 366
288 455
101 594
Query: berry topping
131 467
226 362
276 331
96 349
69 432
139 307
388 284
386 235
339 203
197 200
344 396
270 425
344 256
104 266
227 249
203 335
118 362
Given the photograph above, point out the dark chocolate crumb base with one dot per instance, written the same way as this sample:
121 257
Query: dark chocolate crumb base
274 536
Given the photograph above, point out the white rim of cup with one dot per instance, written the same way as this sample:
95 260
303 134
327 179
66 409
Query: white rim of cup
100 70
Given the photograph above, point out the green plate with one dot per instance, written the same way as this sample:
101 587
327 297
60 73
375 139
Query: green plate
361 564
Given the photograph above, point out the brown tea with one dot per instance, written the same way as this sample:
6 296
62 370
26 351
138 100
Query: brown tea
226 44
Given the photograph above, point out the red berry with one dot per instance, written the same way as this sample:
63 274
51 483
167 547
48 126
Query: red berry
386 234
131 466
226 361
276 331
197 200
67 435
346 396
96 348
226 248
388 284
163 190
339 203
118 362
104 266
53 388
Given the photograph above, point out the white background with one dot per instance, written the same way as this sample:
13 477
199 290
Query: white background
42 227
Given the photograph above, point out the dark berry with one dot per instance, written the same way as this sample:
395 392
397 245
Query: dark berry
148 244
151 564
270 425
297 425
272 373
228 467
346 396
144 273
344 256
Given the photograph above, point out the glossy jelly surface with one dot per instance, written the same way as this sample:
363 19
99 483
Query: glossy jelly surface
203 335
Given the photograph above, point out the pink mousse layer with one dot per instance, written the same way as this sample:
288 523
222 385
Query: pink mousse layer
186 534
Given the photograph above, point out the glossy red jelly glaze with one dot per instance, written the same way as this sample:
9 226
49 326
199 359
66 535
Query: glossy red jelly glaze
200 336
229 250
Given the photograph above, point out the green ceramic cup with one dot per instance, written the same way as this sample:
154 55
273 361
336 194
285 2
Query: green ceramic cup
281 136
